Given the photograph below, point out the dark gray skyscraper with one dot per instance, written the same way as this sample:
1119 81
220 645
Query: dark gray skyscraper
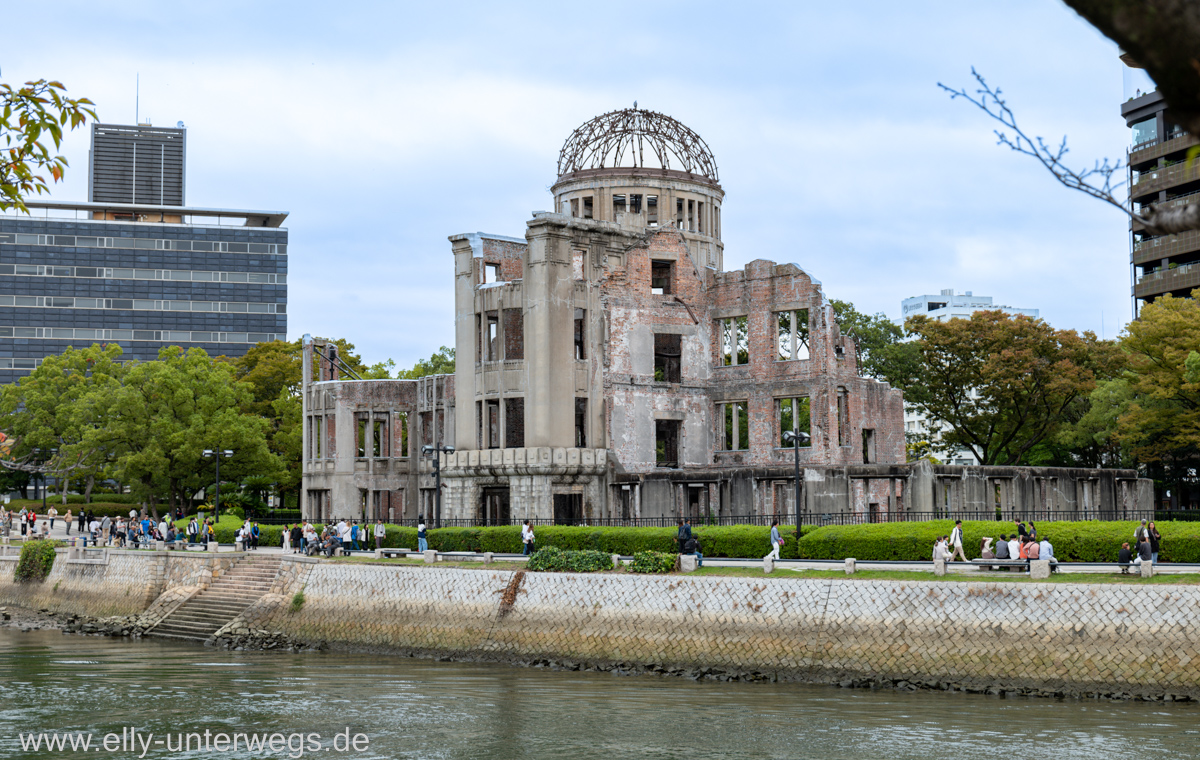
137 267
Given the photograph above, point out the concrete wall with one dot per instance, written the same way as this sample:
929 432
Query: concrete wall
111 581
1058 635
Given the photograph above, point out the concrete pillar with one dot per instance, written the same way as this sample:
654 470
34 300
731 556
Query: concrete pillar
488 558
616 560
1039 569
687 563
1147 569
430 556
768 564
939 567
549 287
213 546
851 566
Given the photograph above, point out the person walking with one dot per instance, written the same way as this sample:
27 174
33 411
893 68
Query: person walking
67 518
956 541
1032 531
380 534
422 544
285 538
193 531
105 530
776 540
298 538
23 521
1155 539
1021 531
354 535
526 539
82 520
255 532
51 513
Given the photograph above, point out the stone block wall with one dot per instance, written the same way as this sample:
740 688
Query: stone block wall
1073 636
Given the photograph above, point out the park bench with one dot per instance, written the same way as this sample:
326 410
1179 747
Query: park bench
1022 564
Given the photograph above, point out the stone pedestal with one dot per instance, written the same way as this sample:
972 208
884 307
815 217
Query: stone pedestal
851 566
939 567
687 563
213 546
379 554
616 560
430 556
488 558
239 546
1147 569
1039 569
160 546
768 564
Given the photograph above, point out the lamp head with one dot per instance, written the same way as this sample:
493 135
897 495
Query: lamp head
448 449
427 450
208 452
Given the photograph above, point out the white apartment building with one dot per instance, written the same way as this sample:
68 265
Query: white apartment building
943 307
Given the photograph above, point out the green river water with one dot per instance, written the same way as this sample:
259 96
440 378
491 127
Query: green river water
412 708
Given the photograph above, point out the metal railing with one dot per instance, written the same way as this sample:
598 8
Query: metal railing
818 519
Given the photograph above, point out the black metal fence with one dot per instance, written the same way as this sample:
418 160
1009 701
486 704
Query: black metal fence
818 519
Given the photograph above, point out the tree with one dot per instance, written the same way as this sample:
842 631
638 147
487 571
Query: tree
440 363
27 115
167 412
1162 421
50 412
999 384
882 352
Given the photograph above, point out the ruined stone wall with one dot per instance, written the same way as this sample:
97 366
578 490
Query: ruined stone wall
1071 636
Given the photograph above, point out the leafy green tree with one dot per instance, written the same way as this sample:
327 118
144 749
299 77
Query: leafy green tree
28 115
881 349
50 411
167 412
1000 385
441 363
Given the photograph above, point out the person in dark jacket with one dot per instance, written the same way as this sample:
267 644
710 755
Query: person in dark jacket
685 533
692 546
1123 557
1155 538
1143 551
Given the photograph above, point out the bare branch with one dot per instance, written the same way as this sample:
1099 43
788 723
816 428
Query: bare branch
1097 181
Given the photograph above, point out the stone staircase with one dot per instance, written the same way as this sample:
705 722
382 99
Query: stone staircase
237 588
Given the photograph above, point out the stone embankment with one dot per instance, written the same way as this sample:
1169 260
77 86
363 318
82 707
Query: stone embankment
988 637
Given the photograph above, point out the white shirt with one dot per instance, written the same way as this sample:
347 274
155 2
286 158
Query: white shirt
1045 550
526 534
1014 549
956 536
380 530
345 531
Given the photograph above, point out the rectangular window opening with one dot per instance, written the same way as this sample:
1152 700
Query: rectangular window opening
581 405
635 203
734 434
379 438
360 437
691 215
580 334
491 273
679 213
514 423
735 341
514 334
666 443
618 204
868 441
668 350
493 424
792 334
660 277
575 207
491 337
587 207
579 264
794 415
652 210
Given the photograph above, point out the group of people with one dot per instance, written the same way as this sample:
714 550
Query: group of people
1146 540
304 538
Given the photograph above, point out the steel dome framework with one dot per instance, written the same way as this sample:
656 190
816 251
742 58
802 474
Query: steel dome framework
631 137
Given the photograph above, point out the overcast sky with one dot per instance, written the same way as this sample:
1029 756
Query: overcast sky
383 128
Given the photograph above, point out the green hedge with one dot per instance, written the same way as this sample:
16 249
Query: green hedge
1089 541
653 562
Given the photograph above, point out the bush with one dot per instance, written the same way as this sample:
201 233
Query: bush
37 558
652 562
1089 541
551 558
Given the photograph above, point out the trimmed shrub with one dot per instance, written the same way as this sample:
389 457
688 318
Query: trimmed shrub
1090 541
551 558
652 562
37 558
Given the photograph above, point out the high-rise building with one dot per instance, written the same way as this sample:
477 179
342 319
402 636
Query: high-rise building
943 307
1159 173
135 266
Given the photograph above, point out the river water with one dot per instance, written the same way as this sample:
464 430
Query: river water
412 708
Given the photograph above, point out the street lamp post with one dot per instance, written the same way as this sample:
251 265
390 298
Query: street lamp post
795 438
216 455
435 453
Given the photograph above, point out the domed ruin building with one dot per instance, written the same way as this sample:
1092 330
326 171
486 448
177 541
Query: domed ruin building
609 369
